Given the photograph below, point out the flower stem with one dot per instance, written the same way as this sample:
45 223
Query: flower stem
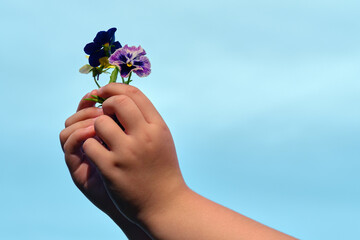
129 79
96 82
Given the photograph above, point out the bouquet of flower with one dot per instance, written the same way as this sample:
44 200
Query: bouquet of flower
106 54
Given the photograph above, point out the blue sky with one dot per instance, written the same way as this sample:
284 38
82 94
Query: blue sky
261 97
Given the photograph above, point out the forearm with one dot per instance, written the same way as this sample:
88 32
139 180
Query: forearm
191 216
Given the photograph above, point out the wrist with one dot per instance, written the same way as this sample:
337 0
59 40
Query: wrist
130 229
154 220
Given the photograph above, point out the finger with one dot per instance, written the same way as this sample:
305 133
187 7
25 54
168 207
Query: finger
72 147
86 103
109 132
65 134
83 114
126 111
98 155
150 113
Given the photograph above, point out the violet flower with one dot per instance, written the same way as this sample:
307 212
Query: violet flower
131 59
103 45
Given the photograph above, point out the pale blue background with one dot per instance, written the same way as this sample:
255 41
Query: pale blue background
262 98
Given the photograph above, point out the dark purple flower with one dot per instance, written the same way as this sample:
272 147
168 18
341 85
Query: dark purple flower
103 46
131 59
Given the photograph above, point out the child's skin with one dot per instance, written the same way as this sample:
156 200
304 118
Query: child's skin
134 176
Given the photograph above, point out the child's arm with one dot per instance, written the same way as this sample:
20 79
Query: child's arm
78 128
141 173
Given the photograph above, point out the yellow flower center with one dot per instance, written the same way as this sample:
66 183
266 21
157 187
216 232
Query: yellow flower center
106 45
104 61
129 64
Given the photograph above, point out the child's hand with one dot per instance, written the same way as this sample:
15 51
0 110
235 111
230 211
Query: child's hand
86 177
139 165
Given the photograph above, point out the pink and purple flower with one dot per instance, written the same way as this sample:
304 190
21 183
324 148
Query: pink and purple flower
131 59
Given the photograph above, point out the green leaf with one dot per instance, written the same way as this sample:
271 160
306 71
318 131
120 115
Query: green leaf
114 75
91 99
85 69
96 99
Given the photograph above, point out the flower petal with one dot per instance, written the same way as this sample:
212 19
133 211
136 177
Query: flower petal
101 38
94 58
92 47
145 67
135 51
85 69
111 35
115 45
125 70
118 57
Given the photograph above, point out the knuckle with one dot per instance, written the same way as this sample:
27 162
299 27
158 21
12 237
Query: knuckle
120 99
77 134
100 120
147 137
83 114
89 112
114 161
162 127
129 158
66 147
111 102
109 87
68 122
63 136
72 139
131 90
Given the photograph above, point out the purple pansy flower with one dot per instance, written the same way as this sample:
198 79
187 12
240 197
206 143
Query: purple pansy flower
131 59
